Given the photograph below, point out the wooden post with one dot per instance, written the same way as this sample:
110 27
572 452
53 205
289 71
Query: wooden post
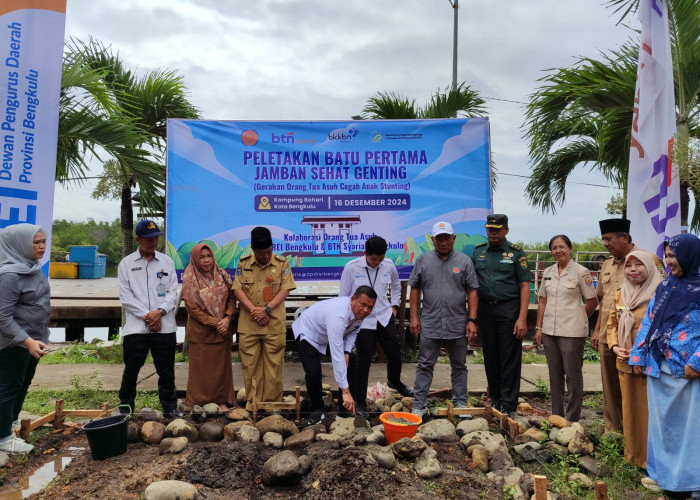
298 401
601 490
513 428
450 411
504 423
58 423
540 488
25 428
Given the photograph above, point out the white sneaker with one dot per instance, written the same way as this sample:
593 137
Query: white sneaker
14 445
16 425
421 412
463 416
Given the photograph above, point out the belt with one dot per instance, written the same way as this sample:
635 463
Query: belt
493 302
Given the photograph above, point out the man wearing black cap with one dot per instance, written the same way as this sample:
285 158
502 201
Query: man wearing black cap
504 295
148 291
263 281
617 241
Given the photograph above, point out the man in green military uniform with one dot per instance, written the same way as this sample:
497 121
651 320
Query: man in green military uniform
263 281
504 294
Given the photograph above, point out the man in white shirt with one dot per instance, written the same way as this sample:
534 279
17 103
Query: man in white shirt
375 271
148 290
331 325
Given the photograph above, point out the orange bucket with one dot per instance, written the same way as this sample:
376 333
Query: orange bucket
393 431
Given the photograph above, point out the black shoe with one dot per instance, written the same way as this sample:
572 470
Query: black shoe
316 417
361 411
344 412
403 389
173 413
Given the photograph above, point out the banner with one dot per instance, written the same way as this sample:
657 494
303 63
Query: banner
31 51
653 188
323 188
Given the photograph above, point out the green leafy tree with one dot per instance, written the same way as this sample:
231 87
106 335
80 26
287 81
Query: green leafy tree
145 103
106 235
581 116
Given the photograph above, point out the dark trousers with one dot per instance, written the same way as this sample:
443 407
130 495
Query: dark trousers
565 363
502 352
311 361
162 347
366 345
17 369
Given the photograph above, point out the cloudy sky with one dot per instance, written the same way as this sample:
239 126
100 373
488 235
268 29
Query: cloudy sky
322 59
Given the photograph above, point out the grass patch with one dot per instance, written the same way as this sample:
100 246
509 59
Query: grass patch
541 387
533 358
86 393
81 353
593 401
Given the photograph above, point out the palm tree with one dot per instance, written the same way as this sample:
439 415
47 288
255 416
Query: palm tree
449 103
582 116
145 103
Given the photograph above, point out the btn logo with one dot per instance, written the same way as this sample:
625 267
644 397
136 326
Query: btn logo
283 138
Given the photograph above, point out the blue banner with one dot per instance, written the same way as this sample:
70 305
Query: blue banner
323 188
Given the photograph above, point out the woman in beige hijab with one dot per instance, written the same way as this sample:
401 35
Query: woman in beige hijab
629 306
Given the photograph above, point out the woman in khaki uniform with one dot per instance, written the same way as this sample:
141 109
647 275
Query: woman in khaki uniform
210 304
563 319
629 306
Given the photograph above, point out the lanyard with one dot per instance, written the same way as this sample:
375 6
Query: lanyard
376 273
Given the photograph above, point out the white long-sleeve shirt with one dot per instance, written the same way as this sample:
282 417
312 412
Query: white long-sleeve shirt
357 273
330 324
138 291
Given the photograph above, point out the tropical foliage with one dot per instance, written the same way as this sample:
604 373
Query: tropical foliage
106 235
581 116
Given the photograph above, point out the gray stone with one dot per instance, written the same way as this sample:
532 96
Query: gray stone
211 432
588 464
274 440
180 427
439 430
397 406
427 467
4 459
553 433
492 442
150 414
384 455
305 463
379 403
500 461
523 422
278 424
530 455
429 452
317 428
212 409
556 449
390 399
170 490
473 425
510 476
536 434
133 431
301 440
407 402
282 469
370 461
378 428
565 435
409 448
248 434
152 432
198 413
581 478
172 445
342 426
532 446
527 483
376 438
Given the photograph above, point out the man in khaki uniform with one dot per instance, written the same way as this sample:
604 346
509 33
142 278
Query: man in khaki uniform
617 241
263 281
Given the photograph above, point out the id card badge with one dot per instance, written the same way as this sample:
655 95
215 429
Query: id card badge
161 290
268 294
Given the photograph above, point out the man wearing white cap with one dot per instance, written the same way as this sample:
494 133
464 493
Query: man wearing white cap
448 283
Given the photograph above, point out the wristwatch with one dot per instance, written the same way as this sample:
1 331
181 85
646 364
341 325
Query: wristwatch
473 320
268 310
163 312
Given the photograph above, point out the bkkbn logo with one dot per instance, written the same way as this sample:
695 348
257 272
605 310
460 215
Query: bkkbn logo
343 136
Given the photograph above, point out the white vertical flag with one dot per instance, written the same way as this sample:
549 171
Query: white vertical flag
31 55
653 188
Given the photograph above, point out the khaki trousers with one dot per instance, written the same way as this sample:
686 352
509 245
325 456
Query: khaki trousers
612 398
262 357
635 417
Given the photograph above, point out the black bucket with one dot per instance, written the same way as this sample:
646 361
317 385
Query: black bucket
107 436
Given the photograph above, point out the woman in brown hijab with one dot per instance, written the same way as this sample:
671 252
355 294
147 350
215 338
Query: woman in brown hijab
210 306
629 307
